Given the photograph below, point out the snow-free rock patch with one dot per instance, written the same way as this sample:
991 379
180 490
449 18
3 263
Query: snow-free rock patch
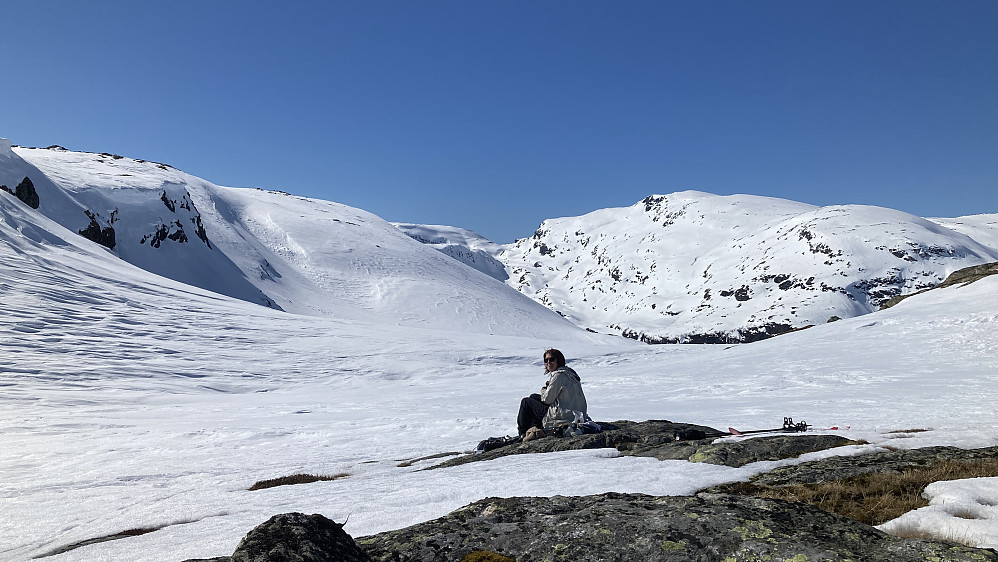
612 526
656 438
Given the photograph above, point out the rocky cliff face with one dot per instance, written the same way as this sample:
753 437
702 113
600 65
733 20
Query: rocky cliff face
25 191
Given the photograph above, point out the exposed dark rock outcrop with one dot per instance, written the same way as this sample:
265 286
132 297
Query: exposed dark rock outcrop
706 527
25 191
296 537
103 235
170 203
656 438
840 468
612 526
199 230
173 231
710 526
742 335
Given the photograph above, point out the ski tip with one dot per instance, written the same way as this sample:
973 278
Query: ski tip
734 431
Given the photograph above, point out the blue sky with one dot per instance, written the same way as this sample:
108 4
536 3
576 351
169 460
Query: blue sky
496 115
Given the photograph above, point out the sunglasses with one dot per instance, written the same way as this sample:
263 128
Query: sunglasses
550 360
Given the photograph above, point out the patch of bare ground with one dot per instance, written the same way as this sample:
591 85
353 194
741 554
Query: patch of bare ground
122 535
295 479
870 498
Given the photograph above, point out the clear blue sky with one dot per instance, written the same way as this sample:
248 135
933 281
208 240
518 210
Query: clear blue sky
494 115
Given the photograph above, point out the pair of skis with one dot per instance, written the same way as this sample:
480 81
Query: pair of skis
788 427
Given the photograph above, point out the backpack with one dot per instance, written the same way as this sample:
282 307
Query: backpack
496 442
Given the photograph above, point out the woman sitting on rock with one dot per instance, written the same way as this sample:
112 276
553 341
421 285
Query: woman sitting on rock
561 400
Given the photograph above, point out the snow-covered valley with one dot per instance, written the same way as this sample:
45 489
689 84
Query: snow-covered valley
136 399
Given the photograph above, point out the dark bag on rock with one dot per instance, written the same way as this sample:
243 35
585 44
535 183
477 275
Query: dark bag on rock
690 435
496 442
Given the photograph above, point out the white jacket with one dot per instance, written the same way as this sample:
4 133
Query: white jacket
563 394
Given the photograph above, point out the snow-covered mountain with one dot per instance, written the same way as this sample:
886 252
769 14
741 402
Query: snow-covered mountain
685 267
270 248
695 267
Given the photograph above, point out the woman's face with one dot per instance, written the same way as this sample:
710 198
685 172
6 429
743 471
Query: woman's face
550 363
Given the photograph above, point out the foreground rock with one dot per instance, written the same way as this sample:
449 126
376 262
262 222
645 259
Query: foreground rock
705 527
713 525
656 438
296 537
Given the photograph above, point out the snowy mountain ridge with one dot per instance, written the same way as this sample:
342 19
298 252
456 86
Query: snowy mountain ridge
683 267
270 248
696 267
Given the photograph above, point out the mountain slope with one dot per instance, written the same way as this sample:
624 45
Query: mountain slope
269 248
695 267
982 228
465 246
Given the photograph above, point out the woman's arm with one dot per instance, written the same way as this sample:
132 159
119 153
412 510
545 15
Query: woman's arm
553 388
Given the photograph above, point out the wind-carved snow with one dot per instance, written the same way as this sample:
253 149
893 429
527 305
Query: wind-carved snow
694 267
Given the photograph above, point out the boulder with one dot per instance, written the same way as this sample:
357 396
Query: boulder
295 537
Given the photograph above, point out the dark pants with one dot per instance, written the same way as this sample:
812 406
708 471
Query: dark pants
531 413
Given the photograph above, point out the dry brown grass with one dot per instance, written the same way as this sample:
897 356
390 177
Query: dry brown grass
872 498
295 479
106 538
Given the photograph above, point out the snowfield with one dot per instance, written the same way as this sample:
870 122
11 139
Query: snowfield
135 401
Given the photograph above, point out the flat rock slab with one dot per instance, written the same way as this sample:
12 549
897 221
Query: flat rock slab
705 527
840 468
656 438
